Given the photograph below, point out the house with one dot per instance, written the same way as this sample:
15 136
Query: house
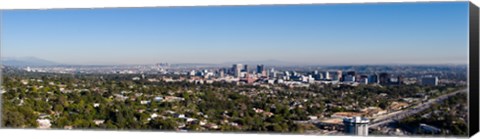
136 78
211 126
203 122
96 105
233 124
190 119
158 98
44 123
312 117
179 115
138 94
173 98
153 115
68 127
144 102
170 112
119 97
182 125
257 110
209 81
24 82
98 122
153 80
268 114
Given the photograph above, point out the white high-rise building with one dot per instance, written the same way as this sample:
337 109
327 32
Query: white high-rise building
192 73
237 70
364 81
356 126
327 75
272 73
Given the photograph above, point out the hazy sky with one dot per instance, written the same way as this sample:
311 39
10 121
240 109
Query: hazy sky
409 33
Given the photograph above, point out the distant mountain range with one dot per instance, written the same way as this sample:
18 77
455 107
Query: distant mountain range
264 62
34 61
253 63
26 61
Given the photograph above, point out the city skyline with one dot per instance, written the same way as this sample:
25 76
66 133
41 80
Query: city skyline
343 34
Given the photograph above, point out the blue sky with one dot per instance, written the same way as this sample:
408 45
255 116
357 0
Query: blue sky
394 33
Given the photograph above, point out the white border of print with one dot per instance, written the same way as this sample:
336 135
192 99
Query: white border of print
83 134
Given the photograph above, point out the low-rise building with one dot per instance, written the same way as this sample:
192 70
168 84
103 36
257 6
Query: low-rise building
44 123
430 80
98 122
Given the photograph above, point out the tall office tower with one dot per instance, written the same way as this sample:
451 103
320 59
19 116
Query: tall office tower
363 79
344 75
373 78
286 75
349 78
237 70
221 73
192 73
327 75
384 78
363 76
430 80
339 75
336 75
272 73
245 68
356 126
261 69
317 75
333 76
225 71
353 73
294 73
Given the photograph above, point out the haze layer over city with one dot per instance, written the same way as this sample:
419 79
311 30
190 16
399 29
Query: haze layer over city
336 69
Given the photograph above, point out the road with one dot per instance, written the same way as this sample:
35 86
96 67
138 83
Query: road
413 110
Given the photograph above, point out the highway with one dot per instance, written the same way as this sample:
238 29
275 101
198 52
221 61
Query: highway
412 110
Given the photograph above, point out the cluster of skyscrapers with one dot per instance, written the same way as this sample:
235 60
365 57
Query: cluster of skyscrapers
242 71
260 74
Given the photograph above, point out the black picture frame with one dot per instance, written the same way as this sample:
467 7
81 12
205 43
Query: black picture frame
473 69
